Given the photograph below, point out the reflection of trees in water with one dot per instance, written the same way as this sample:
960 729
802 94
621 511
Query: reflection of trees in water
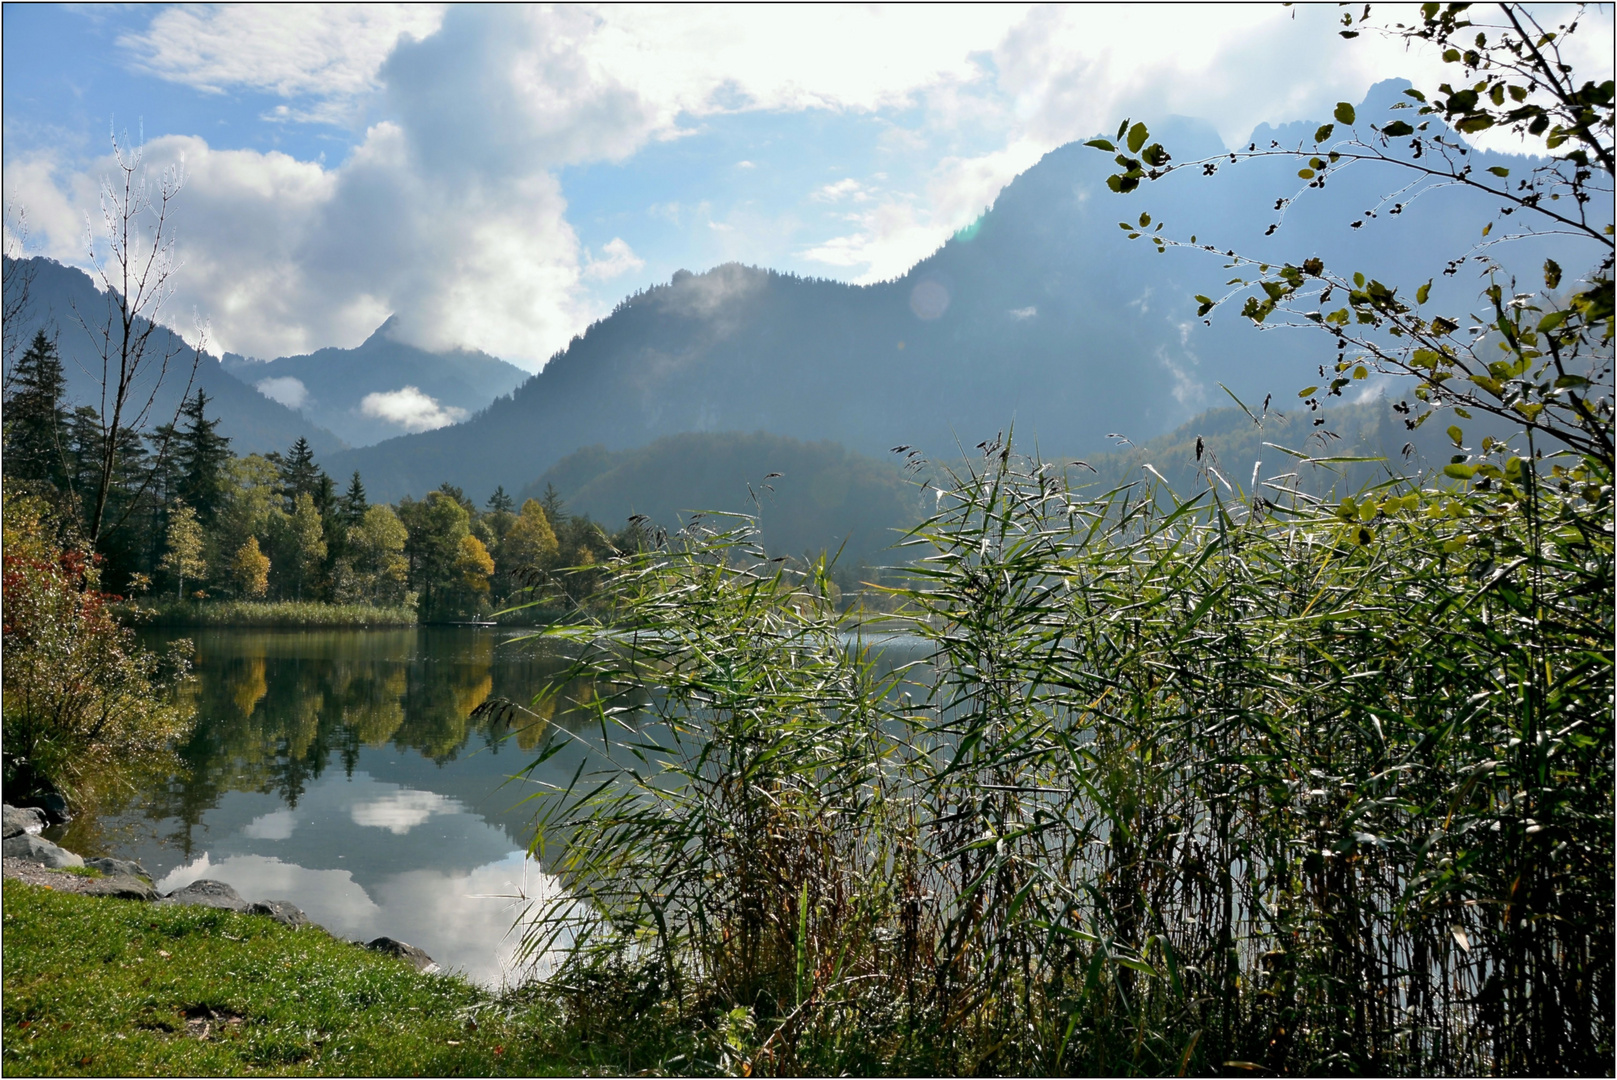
275 711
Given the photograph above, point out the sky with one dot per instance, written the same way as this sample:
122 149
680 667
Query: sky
498 177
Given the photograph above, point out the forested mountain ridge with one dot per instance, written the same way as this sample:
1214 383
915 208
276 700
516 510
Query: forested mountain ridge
58 295
1041 314
807 497
364 394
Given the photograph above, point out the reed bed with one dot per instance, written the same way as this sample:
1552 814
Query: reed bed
272 613
1248 782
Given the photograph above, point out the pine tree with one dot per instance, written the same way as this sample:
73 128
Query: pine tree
554 507
352 505
35 435
201 457
499 502
299 473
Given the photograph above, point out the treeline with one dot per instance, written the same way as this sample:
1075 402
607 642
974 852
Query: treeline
189 520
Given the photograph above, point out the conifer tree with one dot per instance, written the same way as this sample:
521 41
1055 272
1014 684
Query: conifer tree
35 437
352 505
500 502
299 473
201 458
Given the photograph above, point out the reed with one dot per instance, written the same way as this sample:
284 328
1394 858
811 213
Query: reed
1246 781
277 613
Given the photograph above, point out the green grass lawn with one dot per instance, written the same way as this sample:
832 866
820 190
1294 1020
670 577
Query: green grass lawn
107 987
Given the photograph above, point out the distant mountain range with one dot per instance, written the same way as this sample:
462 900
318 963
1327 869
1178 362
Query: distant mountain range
59 295
1042 314
382 388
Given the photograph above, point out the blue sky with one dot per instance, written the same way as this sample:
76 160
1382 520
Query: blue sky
499 177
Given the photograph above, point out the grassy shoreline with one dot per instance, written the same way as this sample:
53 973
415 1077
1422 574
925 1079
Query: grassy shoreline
97 986
283 613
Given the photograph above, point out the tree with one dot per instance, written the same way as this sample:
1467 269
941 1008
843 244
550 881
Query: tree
435 525
352 505
299 473
530 544
183 557
376 551
1554 379
473 567
500 502
554 507
251 569
35 436
136 282
308 542
201 456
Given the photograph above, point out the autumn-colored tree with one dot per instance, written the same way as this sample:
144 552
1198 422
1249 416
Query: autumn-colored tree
183 557
251 569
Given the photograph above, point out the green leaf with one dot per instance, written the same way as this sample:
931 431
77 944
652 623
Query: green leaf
1456 436
1145 220
1552 274
1306 174
1397 129
1102 144
1306 391
1499 170
1137 137
1423 292
1451 56
1344 113
1459 472
1324 132
1206 305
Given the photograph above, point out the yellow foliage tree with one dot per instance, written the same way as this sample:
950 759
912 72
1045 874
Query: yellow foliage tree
251 569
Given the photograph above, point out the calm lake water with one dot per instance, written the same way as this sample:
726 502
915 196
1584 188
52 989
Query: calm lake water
343 771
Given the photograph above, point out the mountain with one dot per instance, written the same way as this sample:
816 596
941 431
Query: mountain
382 388
1042 314
58 295
824 498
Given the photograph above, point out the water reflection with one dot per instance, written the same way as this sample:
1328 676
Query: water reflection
345 771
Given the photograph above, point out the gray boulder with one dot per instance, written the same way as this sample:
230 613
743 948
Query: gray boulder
36 849
113 867
121 886
207 893
282 912
417 958
26 819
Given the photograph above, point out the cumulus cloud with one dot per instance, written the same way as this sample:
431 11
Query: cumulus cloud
447 209
286 389
402 811
411 409
617 259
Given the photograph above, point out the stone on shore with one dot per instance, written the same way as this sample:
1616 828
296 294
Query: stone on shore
417 958
207 893
120 886
24 819
282 911
113 867
36 849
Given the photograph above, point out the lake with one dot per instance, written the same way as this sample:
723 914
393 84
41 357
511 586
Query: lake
343 770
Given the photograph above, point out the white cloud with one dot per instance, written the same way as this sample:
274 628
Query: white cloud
448 211
619 259
411 409
287 389
402 811
326 51
745 165
276 825
1023 313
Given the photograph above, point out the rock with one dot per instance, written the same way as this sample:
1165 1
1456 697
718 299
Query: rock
122 886
416 957
55 807
114 867
20 820
36 849
281 911
207 893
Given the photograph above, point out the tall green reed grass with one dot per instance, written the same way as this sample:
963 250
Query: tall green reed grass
1248 781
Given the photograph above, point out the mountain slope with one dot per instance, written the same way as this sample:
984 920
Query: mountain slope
825 497
365 394
58 294
1042 315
